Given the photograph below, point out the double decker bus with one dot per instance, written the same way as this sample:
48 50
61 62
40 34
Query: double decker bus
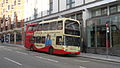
58 36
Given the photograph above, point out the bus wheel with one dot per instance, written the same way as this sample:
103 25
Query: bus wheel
31 48
50 50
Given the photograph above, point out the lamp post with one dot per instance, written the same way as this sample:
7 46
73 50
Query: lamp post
107 40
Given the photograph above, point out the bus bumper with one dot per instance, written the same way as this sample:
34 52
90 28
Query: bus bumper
57 51
73 53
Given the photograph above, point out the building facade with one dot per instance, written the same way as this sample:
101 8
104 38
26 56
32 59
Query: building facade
93 15
12 21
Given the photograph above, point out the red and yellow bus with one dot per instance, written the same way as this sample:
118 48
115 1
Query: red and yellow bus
58 36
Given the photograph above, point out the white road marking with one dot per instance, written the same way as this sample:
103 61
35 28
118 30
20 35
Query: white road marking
13 61
2 46
81 61
8 49
47 59
21 53
82 67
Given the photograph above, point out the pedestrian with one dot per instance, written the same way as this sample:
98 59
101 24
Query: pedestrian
84 48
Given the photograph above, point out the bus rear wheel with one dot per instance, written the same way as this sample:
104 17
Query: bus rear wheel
50 50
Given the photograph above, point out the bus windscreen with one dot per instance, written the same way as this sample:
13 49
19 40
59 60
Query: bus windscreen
72 28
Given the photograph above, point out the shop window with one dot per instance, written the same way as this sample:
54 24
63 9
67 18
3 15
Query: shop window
114 19
18 37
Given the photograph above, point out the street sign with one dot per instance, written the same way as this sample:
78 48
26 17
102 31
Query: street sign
107 28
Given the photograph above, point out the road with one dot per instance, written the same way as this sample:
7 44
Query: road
17 57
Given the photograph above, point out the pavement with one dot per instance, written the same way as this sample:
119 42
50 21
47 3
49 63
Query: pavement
101 57
89 55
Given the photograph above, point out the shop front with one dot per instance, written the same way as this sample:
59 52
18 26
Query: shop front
101 37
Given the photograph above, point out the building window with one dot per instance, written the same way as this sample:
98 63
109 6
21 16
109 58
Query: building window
104 11
14 2
93 13
19 2
12 6
113 9
2 4
51 6
3 1
70 3
73 16
96 12
8 7
3 10
6 1
118 8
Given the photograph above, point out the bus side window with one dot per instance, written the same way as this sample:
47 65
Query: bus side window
59 25
59 40
32 39
38 39
30 28
39 27
43 39
53 26
35 27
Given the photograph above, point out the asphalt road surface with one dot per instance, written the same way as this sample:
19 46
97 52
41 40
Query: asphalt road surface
17 57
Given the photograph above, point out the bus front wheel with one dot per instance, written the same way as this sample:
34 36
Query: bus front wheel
31 48
50 50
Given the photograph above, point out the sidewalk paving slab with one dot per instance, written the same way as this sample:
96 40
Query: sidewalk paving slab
17 45
101 57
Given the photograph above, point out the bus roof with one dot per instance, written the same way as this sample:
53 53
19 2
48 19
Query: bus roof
32 24
48 21
59 19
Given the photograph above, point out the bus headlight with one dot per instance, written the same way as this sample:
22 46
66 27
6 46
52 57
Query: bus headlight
65 49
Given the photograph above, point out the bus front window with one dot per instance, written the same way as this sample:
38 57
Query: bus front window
72 41
72 27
